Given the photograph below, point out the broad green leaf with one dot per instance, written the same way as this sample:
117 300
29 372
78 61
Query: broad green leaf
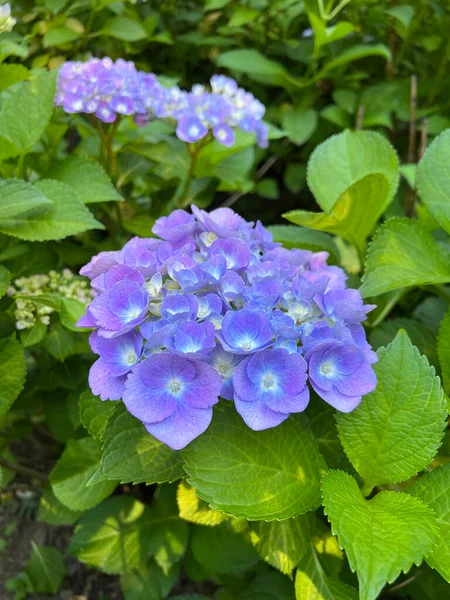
362 176
45 568
271 474
313 583
112 536
292 236
243 15
194 509
397 429
61 343
66 215
283 543
381 537
403 254
351 54
433 179
25 110
148 582
17 197
77 464
433 488
443 349
404 14
167 534
12 372
130 453
236 552
11 74
235 167
71 311
87 178
299 124
269 586
5 280
125 29
60 35
54 512
95 414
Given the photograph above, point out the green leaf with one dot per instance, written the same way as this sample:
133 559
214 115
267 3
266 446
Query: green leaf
61 343
148 582
87 178
25 110
433 488
236 553
54 512
71 311
433 179
269 586
45 568
272 474
299 124
59 36
397 429
111 536
12 372
130 453
66 215
194 509
11 74
403 254
443 348
382 536
292 236
283 543
357 189
404 14
5 280
95 414
125 29
313 583
243 15
77 464
353 53
17 197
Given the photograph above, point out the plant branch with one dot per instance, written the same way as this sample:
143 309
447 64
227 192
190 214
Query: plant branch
23 470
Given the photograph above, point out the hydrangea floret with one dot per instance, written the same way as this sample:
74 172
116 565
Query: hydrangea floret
211 308
7 22
110 89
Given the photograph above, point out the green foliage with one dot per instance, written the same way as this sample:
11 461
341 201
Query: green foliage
443 348
45 568
271 474
399 531
12 372
396 430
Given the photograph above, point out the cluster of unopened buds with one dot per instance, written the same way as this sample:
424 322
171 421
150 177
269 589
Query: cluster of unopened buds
29 310
109 89
211 308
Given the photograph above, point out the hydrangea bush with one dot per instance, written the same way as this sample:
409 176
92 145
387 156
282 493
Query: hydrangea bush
214 406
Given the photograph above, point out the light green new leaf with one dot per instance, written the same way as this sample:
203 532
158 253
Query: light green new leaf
433 179
125 29
299 124
381 537
5 280
11 74
46 569
271 474
12 372
362 176
66 215
60 35
111 536
313 583
283 543
292 236
403 254
25 110
95 414
54 512
194 509
397 429
433 488
130 453
443 349
87 178
79 461
18 197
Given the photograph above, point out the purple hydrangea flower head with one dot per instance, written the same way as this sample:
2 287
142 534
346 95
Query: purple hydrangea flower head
339 374
213 307
191 129
173 396
269 386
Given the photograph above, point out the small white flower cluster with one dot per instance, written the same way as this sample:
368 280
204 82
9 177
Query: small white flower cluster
6 21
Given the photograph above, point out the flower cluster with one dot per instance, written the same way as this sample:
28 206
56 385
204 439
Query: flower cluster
6 21
107 89
213 307
28 312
